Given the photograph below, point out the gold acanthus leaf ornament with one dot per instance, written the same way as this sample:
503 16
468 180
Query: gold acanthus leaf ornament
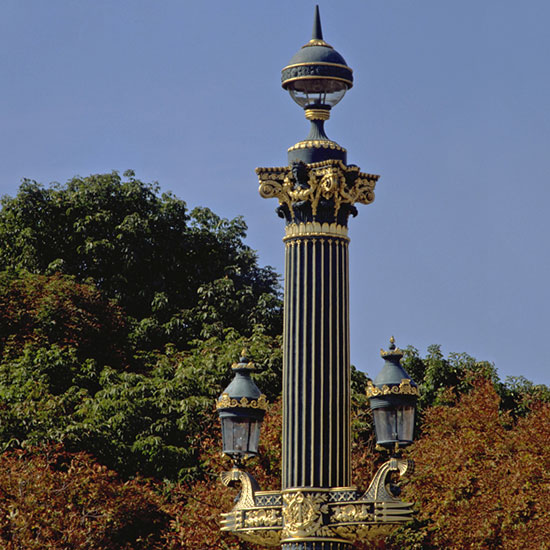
325 180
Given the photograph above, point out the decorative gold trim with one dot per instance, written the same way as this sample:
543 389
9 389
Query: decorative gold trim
248 366
351 512
404 388
302 514
316 514
315 229
225 402
317 144
317 114
327 530
248 485
264 517
315 77
348 488
317 42
331 446
305 364
326 63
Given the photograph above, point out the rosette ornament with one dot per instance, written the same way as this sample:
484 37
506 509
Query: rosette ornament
241 408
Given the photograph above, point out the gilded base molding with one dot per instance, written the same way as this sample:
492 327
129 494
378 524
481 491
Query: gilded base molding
315 229
338 515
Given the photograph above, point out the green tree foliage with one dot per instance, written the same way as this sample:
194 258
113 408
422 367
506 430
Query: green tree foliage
120 315
178 275
435 374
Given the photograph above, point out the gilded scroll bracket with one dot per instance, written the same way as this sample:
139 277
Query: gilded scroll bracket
308 513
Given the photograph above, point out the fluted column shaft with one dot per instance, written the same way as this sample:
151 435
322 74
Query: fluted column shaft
316 367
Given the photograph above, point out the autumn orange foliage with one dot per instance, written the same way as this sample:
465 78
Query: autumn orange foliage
50 499
482 479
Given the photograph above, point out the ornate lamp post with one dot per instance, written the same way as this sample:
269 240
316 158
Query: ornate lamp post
317 508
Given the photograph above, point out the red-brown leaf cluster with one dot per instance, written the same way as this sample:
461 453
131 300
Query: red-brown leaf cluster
482 479
56 310
50 499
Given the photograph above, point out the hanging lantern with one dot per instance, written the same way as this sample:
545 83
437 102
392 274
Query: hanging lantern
393 399
241 408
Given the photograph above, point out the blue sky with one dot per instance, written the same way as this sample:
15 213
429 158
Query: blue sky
450 106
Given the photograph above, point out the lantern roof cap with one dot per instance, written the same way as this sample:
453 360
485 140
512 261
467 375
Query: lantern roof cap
393 379
242 393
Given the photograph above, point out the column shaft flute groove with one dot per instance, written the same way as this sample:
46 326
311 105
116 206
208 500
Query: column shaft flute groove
316 364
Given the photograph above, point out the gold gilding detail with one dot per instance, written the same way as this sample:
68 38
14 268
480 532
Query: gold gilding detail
404 388
352 512
226 402
317 514
396 351
317 77
246 496
303 514
317 114
315 229
249 366
311 63
263 537
263 517
317 144
317 42
326 180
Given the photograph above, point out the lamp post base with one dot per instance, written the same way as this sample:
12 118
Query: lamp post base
315 518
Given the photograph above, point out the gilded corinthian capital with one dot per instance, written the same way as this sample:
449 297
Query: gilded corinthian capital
324 192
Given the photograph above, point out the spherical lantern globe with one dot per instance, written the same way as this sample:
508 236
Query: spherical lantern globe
317 78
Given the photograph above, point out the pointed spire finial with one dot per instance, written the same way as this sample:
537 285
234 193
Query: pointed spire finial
317 30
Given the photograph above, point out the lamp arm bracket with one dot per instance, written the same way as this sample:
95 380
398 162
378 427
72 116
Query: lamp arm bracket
249 486
379 488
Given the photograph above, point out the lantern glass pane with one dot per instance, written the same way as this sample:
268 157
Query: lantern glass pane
384 424
254 436
240 435
321 91
393 424
405 423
